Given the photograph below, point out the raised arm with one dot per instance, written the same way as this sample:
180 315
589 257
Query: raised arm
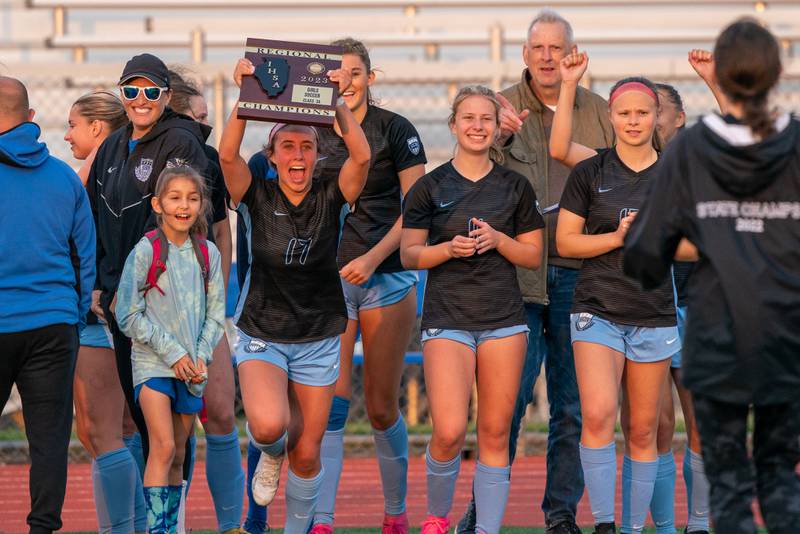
353 174
234 167
702 61
562 148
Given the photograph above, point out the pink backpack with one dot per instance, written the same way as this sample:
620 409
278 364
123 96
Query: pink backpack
160 251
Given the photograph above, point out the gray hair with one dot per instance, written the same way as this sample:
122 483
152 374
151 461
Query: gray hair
549 16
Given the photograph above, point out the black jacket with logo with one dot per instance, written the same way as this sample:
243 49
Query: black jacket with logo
738 201
121 183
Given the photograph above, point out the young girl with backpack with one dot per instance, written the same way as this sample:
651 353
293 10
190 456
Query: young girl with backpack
171 303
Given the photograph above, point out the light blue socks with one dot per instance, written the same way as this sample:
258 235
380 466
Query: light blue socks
662 504
103 521
301 500
225 478
600 476
391 448
118 475
441 479
638 492
697 489
134 445
332 455
276 448
491 487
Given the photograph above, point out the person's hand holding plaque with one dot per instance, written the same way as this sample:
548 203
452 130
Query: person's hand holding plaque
244 67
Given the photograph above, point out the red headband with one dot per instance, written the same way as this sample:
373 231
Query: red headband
632 86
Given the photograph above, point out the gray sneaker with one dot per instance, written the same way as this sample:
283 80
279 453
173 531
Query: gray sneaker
466 525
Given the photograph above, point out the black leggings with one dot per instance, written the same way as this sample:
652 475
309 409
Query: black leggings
122 351
776 452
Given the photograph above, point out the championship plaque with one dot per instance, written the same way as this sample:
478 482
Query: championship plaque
290 83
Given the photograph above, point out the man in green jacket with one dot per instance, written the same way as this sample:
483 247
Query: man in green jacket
526 119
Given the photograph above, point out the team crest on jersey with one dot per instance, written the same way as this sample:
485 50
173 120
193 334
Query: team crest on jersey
177 162
584 321
414 145
143 170
433 332
256 345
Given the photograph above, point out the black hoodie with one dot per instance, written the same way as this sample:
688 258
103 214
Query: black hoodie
738 201
121 183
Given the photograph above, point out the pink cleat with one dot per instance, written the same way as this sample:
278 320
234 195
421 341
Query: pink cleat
395 524
435 525
321 528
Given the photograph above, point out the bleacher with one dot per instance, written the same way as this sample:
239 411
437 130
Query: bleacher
425 49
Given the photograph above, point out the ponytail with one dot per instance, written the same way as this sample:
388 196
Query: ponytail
747 66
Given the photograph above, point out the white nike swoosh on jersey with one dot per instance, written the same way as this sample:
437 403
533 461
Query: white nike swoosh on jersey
336 365
280 214
111 169
671 341
601 190
445 204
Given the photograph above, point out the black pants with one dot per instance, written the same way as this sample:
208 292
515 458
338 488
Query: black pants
42 364
122 351
776 452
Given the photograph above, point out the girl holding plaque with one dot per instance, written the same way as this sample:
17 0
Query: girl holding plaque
293 312
379 293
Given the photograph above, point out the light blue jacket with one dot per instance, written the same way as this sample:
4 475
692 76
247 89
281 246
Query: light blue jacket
182 321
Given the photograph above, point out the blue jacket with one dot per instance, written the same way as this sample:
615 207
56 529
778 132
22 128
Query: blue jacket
47 239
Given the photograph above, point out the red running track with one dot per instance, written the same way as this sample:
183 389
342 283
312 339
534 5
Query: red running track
360 500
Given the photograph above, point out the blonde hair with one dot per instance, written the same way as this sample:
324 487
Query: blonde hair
200 226
102 106
495 154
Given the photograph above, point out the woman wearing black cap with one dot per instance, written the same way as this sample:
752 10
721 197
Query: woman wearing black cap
121 182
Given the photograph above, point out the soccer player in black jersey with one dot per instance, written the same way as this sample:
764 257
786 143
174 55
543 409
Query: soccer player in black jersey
470 222
380 295
294 312
618 330
671 120
731 184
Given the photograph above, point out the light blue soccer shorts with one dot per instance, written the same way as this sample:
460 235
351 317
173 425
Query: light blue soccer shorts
382 289
96 335
676 358
637 343
315 363
473 338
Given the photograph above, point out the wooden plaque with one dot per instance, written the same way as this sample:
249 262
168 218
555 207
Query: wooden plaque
290 83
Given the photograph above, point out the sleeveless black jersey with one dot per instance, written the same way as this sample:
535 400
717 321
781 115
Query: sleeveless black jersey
295 294
479 292
603 190
395 146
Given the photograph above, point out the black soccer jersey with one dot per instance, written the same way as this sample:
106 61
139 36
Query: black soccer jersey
295 294
395 146
603 190
479 292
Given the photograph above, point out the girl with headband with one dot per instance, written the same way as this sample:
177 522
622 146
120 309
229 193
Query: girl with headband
621 335
293 312
731 184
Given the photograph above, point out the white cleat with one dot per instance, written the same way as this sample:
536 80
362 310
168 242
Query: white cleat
266 478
